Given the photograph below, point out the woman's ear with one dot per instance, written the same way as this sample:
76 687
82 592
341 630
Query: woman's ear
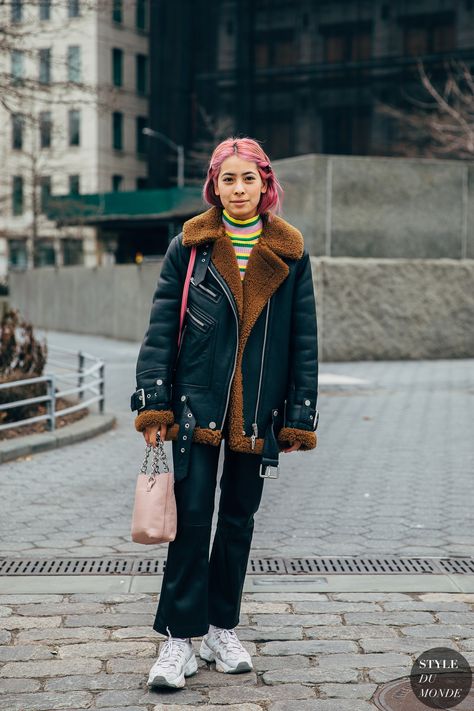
263 189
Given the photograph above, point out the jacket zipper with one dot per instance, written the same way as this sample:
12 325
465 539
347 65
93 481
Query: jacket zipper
254 424
204 288
224 286
195 318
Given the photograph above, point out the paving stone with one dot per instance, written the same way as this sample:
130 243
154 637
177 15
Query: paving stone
110 598
283 596
59 634
142 607
123 665
142 633
22 652
60 608
308 647
95 681
5 611
21 685
235 695
438 630
267 663
209 707
265 634
443 597
109 619
309 676
431 605
106 650
456 618
348 691
363 661
291 620
411 645
334 606
54 667
324 705
14 622
266 607
45 702
5 637
389 618
381 676
208 677
369 596
351 632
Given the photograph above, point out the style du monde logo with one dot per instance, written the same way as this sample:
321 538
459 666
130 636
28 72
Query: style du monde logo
441 678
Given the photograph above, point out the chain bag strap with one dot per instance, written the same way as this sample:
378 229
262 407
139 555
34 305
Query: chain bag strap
154 518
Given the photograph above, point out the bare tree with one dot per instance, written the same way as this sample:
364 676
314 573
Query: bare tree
443 124
217 129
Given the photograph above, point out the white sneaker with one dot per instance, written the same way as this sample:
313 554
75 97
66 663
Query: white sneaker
224 647
175 661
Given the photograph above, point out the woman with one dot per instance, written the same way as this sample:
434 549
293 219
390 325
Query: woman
246 373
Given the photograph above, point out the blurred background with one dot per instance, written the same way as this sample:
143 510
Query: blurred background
109 112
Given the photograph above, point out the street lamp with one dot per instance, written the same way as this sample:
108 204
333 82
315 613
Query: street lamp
179 149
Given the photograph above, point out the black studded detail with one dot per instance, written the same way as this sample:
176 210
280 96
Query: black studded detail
183 442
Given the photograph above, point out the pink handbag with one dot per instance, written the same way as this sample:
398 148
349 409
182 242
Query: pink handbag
154 518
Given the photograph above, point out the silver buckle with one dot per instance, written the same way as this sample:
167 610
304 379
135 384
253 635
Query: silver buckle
269 476
142 391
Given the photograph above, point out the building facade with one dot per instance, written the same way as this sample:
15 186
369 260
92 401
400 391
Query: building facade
301 76
76 104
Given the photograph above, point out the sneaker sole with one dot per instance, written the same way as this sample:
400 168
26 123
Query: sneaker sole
179 681
208 655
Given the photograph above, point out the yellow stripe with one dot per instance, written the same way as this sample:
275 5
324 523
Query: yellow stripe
237 236
240 222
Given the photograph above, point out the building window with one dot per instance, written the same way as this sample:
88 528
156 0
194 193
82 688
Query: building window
73 8
17 66
74 127
18 123
45 10
140 14
74 184
117 14
349 42
428 34
346 130
275 48
17 195
72 251
141 122
17 256
16 10
117 182
117 66
45 192
117 130
141 183
74 63
45 66
141 73
44 254
45 128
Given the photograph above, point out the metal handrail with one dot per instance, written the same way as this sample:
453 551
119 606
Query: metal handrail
79 373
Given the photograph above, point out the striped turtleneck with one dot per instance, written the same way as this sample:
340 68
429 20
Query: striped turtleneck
244 234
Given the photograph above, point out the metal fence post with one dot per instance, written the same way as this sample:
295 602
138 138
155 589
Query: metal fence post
80 379
101 389
51 403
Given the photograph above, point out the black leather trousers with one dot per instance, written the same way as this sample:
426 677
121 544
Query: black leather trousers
198 591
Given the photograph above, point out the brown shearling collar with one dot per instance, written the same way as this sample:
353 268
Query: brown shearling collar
266 270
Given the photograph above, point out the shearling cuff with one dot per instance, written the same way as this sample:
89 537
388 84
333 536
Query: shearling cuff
150 418
288 435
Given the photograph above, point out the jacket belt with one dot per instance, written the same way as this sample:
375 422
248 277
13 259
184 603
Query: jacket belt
182 445
271 451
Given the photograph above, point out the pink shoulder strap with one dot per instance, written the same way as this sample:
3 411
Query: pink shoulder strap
184 300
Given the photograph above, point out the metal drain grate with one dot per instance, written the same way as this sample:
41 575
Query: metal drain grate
256 566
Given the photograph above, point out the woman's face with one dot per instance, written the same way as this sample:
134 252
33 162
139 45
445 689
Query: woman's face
239 187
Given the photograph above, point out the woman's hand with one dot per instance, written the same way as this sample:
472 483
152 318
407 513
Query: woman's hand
296 446
150 433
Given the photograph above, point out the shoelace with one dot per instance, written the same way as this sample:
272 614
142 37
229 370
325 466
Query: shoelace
171 653
230 639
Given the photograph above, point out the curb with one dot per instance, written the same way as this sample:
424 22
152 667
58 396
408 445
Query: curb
89 426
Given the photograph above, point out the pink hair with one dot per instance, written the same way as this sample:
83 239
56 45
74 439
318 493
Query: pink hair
247 149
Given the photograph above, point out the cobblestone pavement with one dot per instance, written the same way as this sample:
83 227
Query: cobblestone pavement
392 473
311 651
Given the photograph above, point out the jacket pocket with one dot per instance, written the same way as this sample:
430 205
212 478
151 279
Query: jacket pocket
195 361
207 291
